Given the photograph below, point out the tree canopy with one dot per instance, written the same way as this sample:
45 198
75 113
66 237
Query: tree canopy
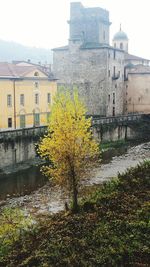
69 145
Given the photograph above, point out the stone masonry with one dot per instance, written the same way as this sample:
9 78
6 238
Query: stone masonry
90 63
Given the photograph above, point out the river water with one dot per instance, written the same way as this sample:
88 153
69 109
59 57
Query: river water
31 191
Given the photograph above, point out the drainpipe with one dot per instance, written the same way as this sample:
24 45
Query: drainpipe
14 92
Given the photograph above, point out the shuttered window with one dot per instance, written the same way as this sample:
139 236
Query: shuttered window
48 98
22 99
9 100
9 122
36 119
22 121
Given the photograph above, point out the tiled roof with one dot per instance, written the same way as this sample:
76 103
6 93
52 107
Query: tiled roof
9 70
132 57
66 47
14 71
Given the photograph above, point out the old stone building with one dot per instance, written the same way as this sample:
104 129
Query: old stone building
90 63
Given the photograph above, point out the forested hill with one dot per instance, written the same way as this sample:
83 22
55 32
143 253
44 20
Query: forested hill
14 51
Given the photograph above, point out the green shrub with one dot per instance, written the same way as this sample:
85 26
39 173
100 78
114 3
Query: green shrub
13 224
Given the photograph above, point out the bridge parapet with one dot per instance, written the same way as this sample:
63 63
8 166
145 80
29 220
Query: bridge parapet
22 133
116 119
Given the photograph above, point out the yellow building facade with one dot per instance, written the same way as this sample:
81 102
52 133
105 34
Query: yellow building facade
26 96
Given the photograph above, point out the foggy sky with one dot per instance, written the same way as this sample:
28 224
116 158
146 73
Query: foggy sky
43 23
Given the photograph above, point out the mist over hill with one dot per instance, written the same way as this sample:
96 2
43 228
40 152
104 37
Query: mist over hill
14 51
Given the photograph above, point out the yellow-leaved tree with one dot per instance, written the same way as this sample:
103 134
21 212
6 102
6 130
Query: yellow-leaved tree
69 145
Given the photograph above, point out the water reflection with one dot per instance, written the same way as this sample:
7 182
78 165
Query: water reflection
21 183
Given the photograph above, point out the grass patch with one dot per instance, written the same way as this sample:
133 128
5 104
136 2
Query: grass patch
114 144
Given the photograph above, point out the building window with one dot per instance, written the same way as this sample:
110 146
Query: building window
115 85
109 98
48 98
109 73
22 121
115 45
36 119
36 73
9 100
9 122
104 36
36 99
36 84
114 54
113 98
121 45
48 116
114 70
113 113
22 99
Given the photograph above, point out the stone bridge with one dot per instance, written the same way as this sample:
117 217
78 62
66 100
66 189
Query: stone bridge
133 126
17 146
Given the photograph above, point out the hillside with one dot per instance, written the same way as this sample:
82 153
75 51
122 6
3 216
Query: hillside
14 51
112 229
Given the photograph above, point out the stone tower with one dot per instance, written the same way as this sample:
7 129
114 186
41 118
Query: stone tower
88 25
120 40
89 63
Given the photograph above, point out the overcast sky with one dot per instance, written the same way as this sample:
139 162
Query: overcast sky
43 23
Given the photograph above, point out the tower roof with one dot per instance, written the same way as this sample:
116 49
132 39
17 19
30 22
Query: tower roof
120 35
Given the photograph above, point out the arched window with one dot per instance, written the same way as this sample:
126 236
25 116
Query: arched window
36 73
121 45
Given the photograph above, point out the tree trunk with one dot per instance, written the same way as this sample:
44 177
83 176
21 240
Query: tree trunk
75 206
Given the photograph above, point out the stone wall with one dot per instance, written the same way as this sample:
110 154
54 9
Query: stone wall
89 63
92 71
130 127
115 133
18 145
115 96
86 70
89 24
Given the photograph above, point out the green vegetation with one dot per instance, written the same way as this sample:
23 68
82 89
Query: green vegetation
113 144
13 225
112 229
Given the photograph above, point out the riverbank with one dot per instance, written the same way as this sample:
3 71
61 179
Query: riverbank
48 199
112 229
37 161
